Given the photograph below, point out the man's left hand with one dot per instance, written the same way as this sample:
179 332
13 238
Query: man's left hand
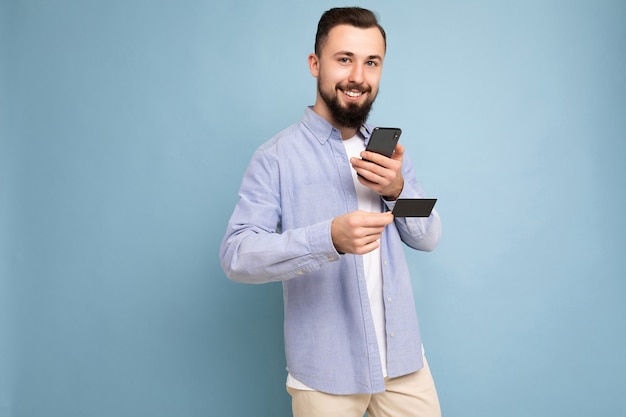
381 174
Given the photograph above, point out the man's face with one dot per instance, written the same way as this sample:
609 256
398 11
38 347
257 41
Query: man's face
348 72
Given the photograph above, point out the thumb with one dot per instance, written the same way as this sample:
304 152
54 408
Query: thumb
398 153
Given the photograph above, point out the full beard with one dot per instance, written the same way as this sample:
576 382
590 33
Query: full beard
352 115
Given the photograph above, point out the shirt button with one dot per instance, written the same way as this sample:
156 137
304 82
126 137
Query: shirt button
331 258
389 299
300 272
392 334
385 263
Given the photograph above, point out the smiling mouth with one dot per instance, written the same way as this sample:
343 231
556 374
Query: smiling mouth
353 93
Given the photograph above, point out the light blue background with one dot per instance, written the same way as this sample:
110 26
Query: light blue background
125 129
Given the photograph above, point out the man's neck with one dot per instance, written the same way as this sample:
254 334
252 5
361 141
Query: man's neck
346 133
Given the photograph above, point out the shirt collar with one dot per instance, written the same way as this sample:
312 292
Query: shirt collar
324 131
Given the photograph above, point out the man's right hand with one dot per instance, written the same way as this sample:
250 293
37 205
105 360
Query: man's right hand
358 232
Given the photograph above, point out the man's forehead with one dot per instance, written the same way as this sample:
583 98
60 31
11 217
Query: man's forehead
362 41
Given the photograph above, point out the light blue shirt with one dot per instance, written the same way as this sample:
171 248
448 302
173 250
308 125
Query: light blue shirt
295 184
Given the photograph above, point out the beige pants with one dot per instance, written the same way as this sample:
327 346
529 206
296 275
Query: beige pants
412 395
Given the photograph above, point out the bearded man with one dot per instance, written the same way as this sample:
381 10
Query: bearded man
315 213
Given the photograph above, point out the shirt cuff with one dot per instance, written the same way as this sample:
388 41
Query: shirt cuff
321 243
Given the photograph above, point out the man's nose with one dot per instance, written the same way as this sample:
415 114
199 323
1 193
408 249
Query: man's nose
356 75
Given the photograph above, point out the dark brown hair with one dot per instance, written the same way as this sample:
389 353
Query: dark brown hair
353 16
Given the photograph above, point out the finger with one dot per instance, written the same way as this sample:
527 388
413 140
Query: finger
369 170
398 153
367 248
361 165
377 220
371 158
369 178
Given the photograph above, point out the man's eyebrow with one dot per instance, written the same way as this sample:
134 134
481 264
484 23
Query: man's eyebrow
348 53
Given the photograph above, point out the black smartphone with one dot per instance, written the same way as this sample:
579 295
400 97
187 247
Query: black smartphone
383 140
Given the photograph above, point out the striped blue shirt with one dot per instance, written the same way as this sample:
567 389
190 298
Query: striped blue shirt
295 184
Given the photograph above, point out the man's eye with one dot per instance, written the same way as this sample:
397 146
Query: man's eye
370 63
344 60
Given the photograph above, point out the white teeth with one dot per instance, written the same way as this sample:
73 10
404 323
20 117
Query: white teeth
353 93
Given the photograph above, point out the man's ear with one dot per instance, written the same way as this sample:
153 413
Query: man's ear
314 65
